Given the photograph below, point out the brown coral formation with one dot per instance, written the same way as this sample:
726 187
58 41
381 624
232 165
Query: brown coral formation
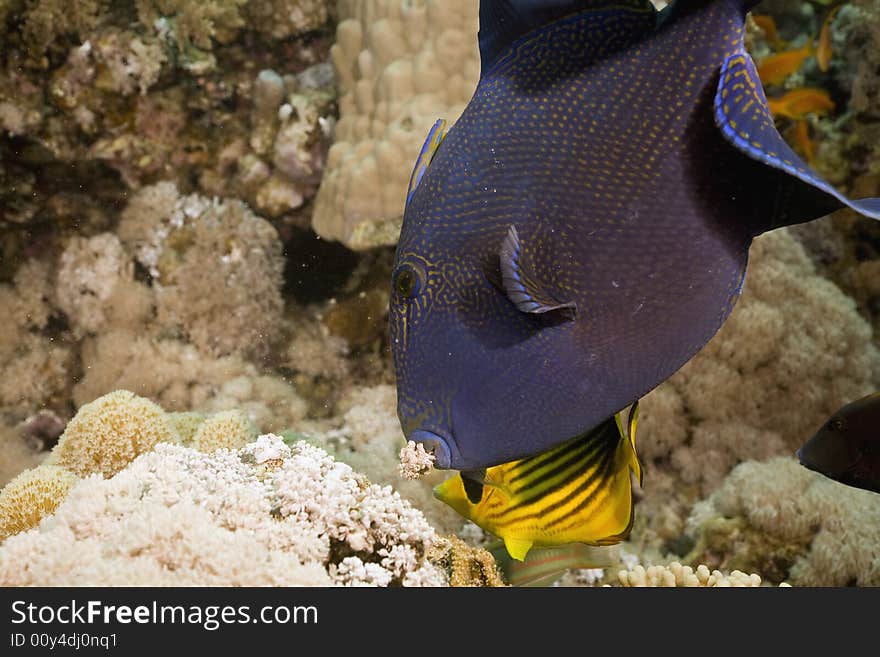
790 523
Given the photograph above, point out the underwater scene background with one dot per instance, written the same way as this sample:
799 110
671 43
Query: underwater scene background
199 206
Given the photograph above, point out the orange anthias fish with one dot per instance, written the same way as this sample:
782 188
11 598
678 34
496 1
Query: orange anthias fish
768 25
799 136
823 50
796 104
773 70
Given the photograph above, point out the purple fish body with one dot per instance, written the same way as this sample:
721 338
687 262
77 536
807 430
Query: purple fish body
584 227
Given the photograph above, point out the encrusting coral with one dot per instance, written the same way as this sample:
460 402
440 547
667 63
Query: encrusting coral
400 66
31 496
176 516
790 523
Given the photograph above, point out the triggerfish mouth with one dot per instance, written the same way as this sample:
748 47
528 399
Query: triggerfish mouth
578 492
583 229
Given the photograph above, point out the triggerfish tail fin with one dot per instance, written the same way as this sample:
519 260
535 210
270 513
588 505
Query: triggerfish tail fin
503 22
544 566
742 115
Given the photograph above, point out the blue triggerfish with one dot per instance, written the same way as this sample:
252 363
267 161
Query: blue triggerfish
847 447
583 229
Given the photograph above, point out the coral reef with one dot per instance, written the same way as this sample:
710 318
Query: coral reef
215 266
31 496
400 66
224 430
306 520
794 350
163 164
677 575
95 286
108 433
366 435
180 378
466 565
791 524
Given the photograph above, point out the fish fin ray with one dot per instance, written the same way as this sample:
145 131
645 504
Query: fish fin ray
503 22
744 120
519 285
518 548
545 565
432 142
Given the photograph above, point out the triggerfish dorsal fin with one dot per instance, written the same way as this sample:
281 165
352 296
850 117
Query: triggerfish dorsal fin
742 115
520 285
503 22
432 142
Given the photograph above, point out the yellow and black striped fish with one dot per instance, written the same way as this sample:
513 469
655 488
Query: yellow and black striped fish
579 492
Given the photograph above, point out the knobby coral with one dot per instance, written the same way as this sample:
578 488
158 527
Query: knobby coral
31 496
107 434
400 66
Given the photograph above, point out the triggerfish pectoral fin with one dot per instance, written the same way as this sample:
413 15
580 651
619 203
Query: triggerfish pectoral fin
521 286
744 119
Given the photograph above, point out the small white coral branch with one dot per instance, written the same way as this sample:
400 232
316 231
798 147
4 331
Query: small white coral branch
415 462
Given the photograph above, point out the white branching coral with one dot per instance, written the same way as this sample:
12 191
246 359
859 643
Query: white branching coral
414 460
176 516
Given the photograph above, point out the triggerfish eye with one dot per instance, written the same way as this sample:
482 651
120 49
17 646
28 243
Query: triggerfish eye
407 281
